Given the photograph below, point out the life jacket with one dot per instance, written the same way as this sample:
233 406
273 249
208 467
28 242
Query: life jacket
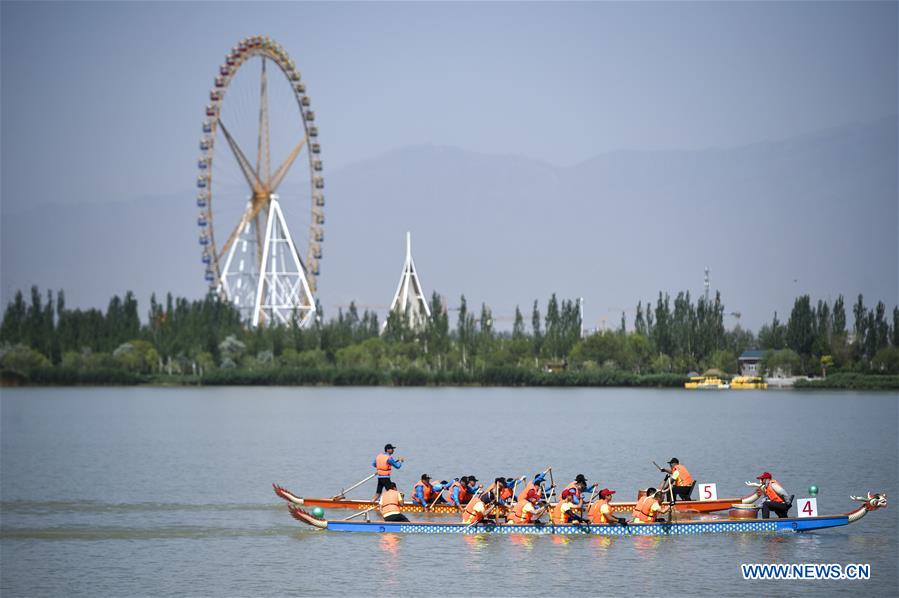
469 515
390 502
574 489
596 515
463 491
643 510
555 514
382 466
772 495
505 494
684 478
427 492
525 516
516 515
528 487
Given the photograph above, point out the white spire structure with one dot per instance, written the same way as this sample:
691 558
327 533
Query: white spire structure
282 290
410 296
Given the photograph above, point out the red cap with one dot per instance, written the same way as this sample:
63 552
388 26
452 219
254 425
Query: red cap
606 492
532 494
567 493
765 476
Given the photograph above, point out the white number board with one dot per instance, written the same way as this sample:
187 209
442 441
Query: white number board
708 492
807 507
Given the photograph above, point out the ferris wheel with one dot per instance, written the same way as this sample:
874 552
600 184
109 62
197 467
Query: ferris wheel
250 257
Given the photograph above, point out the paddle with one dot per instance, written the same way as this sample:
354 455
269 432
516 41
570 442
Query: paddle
354 515
552 485
439 494
342 494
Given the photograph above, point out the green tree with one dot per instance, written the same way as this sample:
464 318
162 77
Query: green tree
801 327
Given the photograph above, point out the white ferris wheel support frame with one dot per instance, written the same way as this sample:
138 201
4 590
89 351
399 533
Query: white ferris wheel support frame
280 294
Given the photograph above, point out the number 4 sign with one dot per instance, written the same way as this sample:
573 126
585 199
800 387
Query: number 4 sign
807 507
708 492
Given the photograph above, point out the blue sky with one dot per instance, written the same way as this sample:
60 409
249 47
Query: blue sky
102 95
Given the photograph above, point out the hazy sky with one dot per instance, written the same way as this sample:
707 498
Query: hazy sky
103 101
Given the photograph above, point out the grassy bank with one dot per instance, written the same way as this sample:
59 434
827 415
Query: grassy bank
332 376
851 381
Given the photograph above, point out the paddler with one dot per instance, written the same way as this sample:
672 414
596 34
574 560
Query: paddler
537 485
776 497
679 480
382 464
478 508
525 510
600 512
648 507
566 511
458 493
506 491
424 492
390 503
579 488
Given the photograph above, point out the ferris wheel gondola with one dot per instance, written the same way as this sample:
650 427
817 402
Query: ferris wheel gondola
256 265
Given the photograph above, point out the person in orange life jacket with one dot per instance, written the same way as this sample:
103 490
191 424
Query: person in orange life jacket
568 510
525 510
776 497
383 464
648 508
679 480
480 508
390 503
601 512
458 493
579 488
506 495
537 485
425 492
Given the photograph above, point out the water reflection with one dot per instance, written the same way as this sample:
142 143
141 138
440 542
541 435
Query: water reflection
390 543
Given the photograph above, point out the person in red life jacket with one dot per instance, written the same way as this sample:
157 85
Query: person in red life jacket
383 464
776 497
679 481
648 507
537 485
600 511
390 503
578 488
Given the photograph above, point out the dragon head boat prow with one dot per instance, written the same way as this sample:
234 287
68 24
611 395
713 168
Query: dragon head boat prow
307 518
287 495
872 502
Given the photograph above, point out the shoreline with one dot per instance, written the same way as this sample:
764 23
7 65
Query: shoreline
488 378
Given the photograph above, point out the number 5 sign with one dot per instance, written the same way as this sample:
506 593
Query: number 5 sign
808 507
708 492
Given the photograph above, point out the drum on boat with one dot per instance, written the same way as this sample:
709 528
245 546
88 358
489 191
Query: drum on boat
743 512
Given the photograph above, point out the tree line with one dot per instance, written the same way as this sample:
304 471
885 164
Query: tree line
205 340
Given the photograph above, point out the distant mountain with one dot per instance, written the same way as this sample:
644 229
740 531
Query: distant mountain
813 214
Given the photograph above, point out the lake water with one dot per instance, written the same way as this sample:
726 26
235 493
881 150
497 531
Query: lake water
150 491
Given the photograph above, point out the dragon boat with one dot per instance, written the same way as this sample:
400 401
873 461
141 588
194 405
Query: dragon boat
679 528
696 506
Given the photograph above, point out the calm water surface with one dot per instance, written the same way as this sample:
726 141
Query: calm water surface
146 491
